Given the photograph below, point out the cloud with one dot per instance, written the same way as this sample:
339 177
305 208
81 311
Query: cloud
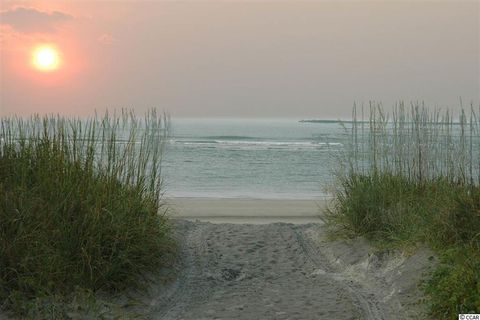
31 20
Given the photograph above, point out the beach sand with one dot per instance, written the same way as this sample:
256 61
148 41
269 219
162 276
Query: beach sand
251 211
276 262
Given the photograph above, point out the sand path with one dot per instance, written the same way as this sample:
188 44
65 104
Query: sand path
263 271
270 259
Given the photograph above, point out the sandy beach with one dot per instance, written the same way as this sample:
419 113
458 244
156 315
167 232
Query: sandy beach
251 211
279 265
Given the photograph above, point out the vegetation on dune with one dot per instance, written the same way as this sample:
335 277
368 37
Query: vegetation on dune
415 178
80 208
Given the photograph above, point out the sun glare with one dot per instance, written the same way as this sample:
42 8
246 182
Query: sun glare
46 58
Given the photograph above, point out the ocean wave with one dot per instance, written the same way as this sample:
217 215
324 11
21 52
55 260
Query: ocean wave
194 141
241 138
270 144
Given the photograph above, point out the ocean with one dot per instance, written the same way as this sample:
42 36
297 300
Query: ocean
240 158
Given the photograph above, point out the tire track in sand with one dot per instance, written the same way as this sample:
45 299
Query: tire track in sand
272 271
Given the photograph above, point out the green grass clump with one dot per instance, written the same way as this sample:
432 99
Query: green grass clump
80 208
383 208
455 285
416 179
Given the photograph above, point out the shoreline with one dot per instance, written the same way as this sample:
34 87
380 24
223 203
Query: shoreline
247 210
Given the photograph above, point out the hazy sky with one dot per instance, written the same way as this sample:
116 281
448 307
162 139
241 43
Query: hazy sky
238 59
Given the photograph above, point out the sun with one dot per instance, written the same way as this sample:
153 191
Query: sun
46 58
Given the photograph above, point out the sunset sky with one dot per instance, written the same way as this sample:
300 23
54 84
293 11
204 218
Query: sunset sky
236 59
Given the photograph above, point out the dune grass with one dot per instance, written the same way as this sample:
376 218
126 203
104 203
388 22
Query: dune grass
414 179
80 208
